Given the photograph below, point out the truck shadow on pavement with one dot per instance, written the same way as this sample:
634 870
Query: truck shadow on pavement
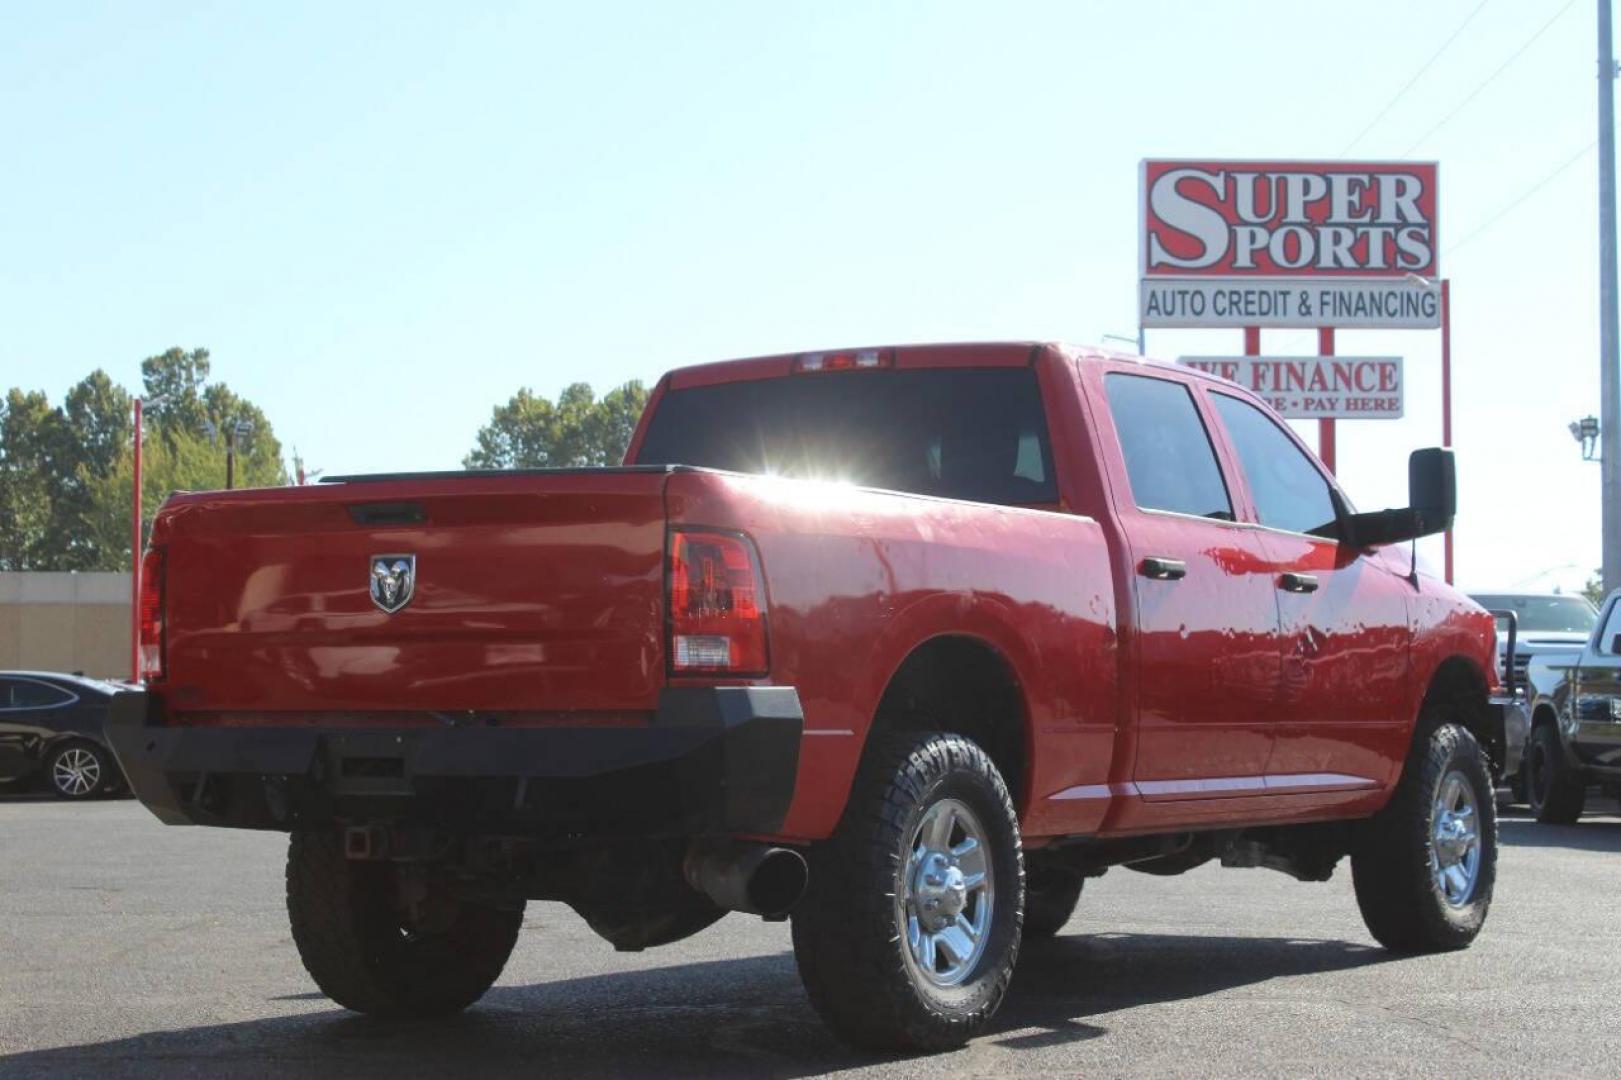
742 1017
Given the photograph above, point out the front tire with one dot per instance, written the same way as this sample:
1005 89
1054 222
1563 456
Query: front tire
367 954
1556 791
78 771
908 936
1425 866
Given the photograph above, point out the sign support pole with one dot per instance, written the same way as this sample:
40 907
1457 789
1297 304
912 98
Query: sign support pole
1252 341
1446 392
1325 428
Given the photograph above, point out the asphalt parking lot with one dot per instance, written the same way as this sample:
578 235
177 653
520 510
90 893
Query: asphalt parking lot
128 949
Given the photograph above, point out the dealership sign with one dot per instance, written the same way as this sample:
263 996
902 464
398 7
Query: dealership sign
1316 387
1343 244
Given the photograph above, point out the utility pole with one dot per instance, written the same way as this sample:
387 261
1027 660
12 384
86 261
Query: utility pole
1609 386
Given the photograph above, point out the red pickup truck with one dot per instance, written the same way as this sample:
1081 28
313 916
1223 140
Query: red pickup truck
902 644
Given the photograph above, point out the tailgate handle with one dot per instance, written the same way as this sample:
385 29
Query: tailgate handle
393 513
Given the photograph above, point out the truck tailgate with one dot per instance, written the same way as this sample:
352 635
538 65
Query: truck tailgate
535 595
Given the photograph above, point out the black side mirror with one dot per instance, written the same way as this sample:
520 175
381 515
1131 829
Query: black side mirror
1432 489
1432 496
1615 645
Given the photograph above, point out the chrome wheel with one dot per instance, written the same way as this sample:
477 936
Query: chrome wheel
76 772
946 894
1455 839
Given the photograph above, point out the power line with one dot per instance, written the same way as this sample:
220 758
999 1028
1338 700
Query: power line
1524 195
1391 104
1504 66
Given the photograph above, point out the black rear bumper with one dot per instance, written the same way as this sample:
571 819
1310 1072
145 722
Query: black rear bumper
712 760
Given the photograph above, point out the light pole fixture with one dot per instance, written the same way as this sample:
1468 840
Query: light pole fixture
233 430
1586 432
1136 342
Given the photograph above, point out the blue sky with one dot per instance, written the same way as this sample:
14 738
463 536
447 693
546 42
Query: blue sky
384 219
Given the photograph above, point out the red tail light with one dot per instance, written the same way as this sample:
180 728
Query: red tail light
152 615
717 605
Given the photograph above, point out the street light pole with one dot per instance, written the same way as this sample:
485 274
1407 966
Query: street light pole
1609 389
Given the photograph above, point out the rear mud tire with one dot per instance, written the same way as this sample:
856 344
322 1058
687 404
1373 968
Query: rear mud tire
363 954
850 932
1392 865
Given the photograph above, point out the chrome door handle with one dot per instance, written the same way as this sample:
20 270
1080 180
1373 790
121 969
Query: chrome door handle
1292 582
1161 568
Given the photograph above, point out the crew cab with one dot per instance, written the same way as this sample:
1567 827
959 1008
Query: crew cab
902 644
1576 722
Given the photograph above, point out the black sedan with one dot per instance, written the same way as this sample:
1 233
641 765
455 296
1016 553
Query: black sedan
50 729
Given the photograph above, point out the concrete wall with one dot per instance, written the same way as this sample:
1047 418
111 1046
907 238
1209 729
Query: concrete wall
65 622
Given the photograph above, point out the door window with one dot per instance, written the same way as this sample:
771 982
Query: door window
1289 492
1169 459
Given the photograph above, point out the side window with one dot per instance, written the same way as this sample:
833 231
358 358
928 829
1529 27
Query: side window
1168 455
1612 627
1289 491
28 694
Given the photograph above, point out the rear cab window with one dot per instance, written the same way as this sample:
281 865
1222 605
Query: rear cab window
1170 460
959 433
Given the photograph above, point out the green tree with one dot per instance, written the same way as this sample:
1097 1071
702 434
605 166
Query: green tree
183 401
1594 589
530 432
174 382
98 412
258 453
615 419
97 431
180 461
65 472
35 454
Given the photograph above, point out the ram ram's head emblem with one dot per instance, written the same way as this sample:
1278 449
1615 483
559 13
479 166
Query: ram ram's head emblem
393 581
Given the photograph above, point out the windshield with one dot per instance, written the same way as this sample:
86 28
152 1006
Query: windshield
962 434
1543 614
